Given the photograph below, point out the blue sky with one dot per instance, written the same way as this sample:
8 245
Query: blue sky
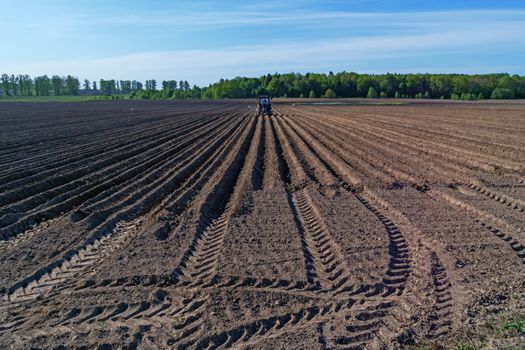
203 41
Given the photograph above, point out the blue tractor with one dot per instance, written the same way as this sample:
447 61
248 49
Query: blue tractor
264 103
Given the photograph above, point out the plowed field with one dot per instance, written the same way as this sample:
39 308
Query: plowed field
196 225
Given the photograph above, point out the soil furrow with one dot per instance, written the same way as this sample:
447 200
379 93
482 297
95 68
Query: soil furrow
200 259
105 229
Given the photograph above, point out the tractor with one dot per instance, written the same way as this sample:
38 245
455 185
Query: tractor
264 105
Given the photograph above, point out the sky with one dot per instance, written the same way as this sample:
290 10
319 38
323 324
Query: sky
204 41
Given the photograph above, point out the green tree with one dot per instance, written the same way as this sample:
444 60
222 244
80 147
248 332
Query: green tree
330 94
439 86
57 85
136 85
5 84
196 92
72 85
467 96
166 91
509 83
125 86
25 85
312 94
389 84
501 93
42 85
372 93
342 84
347 85
108 87
364 83
13 81
151 84
275 88
415 85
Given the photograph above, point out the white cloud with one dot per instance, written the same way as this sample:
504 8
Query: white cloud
205 66
235 18
353 39
187 20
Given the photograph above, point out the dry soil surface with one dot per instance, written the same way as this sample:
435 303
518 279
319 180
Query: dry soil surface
198 225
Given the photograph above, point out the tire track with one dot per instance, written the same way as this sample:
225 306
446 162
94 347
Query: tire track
299 288
324 261
399 267
516 245
164 313
185 194
148 311
441 323
502 198
178 319
398 275
363 329
232 163
203 252
244 175
200 260
105 229
251 333
395 279
85 257
499 227
209 145
330 267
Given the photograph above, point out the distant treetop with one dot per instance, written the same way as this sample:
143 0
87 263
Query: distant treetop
312 85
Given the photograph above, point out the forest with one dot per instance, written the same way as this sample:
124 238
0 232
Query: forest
309 85
436 86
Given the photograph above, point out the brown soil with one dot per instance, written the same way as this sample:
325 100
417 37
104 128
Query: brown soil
197 225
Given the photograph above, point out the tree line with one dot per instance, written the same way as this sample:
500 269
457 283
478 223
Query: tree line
24 85
309 85
344 84
169 89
